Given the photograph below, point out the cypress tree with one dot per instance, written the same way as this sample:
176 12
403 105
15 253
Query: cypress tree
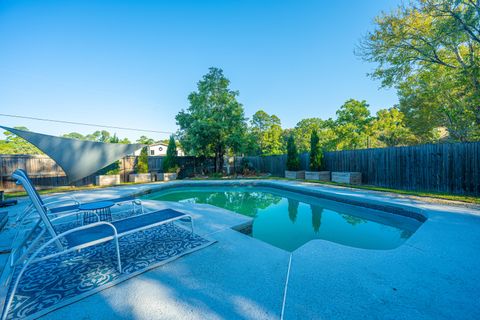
142 162
316 154
170 163
293 160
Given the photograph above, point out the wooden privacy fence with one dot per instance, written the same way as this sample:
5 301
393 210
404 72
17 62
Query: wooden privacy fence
45 173
275 165
189 166
449 168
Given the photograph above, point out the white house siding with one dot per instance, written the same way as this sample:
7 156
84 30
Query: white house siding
158 149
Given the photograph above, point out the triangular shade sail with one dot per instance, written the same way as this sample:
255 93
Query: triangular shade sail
78 158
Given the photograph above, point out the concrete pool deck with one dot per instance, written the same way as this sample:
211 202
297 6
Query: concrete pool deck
434 275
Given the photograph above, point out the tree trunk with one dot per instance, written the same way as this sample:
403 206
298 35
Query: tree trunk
216 161
220 164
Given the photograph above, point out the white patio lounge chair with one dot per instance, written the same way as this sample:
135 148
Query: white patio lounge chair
79 237
65 205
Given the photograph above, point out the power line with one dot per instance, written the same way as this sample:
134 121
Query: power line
83 124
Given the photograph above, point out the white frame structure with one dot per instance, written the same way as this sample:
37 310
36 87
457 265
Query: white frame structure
52 205
49 227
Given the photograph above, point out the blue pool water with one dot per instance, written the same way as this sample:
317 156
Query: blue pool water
288 220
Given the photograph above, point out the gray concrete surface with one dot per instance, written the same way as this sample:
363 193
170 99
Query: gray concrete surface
435 274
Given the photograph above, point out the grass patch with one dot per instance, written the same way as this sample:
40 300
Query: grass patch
63 189
434 195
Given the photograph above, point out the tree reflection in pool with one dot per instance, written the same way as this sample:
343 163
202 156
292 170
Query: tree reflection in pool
289 220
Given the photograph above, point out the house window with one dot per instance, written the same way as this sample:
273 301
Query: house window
152 152
160 149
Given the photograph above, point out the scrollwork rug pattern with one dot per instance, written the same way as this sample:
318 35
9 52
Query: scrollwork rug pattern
53 283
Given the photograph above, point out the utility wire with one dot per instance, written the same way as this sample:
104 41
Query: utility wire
83 124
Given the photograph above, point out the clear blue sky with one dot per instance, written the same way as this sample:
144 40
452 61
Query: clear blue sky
133 63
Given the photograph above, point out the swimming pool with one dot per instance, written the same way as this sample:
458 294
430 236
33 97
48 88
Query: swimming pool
288 219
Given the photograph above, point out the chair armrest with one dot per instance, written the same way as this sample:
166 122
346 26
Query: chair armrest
133 203
70 197
48 204
88 226
73 230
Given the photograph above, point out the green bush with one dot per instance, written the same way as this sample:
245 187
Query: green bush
216 175
142 163
112 168
170 163
293 160
316 153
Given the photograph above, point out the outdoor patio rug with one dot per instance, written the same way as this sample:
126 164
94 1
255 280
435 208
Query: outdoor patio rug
54 283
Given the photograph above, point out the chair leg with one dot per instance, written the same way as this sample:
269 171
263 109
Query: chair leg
191 223
119 261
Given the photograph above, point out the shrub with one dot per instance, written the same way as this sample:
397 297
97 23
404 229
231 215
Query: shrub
142 163
247 167
113 168
170 162
293 160
316 154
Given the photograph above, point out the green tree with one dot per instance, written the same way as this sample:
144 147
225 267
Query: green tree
145 140
390 129
74 135
141 166
286 133
14 144
325 129
431 99
170 162
352 126
430 51
303 132
99 136
266 134
316 154
214 123
293 160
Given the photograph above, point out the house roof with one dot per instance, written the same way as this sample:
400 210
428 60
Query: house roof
158 144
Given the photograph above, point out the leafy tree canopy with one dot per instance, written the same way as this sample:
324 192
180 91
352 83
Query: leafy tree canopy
389 128
14 144
430 51
214 123
265 134
352 126
145 140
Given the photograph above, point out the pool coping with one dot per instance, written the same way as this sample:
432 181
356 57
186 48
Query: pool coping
394 208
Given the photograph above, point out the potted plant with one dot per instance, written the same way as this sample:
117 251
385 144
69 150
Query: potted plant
141 168
347 177
293 161
170 162
110 175
316 161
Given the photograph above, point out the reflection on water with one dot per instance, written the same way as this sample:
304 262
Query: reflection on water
353 220
293 209
316 217
289 223
246 203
